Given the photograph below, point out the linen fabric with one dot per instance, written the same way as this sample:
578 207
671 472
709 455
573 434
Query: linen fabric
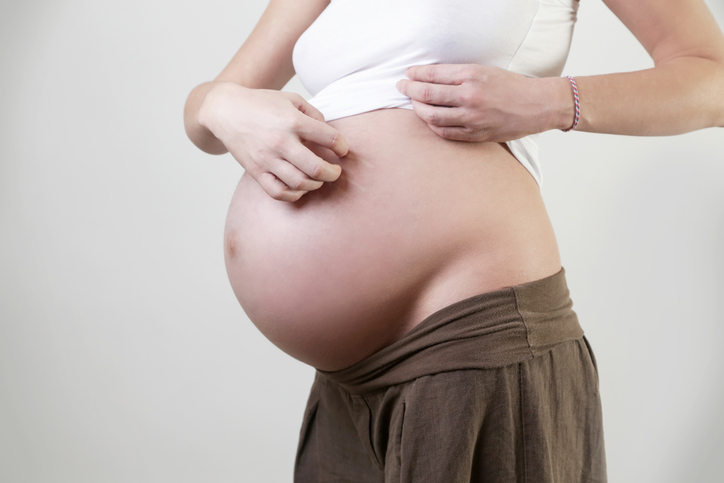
501 387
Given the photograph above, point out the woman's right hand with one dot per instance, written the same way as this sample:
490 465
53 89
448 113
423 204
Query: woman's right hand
264 130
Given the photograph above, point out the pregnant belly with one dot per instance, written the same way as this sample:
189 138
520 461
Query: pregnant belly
414 223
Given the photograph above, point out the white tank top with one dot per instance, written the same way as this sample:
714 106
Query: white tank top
354 53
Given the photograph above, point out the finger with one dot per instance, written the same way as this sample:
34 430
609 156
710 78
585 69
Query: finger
323 134
275 188
438 116
457 134
312 165
293 178
438 94
451 74
304 106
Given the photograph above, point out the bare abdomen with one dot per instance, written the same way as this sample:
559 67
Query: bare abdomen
414 223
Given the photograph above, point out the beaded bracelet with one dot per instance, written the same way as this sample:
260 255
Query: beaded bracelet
577 103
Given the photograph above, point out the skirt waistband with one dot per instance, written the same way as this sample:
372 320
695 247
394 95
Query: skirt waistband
488 330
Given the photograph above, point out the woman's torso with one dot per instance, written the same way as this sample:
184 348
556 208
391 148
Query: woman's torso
414 223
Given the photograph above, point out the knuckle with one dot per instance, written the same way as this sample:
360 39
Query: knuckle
253 170
335 138
298 183
294 122
276 141
467 118
467 96
285 117
425 93
478 124
262 159
272 188
276 193
258 162
316 170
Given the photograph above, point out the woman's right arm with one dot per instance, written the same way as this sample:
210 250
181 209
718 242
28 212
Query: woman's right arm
243 112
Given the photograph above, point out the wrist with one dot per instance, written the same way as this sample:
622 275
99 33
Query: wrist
202 115
562 103
214 99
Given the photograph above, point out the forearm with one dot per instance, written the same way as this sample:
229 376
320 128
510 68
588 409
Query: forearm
679 96
202 137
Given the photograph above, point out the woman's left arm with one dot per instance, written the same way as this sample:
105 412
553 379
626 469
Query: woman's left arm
685 89
683 92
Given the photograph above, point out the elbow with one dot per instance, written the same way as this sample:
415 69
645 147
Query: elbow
710 88
715 91
718 93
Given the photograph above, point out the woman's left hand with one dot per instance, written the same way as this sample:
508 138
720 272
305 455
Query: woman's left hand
472 102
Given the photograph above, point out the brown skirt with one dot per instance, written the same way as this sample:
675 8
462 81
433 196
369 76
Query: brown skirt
501 387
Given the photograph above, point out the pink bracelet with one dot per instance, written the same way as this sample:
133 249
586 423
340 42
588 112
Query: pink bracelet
577 103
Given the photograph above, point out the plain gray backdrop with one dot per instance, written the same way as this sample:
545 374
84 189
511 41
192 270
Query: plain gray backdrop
124 356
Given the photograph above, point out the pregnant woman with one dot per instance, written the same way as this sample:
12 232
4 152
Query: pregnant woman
391 232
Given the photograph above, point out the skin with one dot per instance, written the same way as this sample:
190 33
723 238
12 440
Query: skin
682 93
215 111
301 233
414 223
277 159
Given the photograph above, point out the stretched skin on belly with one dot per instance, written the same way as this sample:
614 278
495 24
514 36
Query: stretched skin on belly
339 274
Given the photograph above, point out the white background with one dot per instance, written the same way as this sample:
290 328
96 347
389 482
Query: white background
124 356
